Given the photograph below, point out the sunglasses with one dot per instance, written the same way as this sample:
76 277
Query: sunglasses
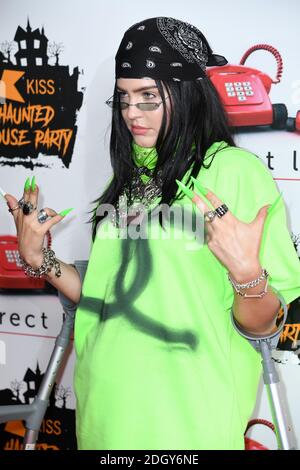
142 106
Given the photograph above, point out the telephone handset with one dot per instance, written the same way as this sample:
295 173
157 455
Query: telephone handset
244 92
11 274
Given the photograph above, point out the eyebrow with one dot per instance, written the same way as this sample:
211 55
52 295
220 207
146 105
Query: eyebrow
139 89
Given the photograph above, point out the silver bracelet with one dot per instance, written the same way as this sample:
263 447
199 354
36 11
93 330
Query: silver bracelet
238 287
48 262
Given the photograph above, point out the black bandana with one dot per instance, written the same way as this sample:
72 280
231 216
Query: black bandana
164 48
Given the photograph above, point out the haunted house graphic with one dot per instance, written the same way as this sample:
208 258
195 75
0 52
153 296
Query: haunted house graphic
32 47
33 381
58 427
39 101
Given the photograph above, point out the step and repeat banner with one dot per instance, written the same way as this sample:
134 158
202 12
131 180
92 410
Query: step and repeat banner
56 71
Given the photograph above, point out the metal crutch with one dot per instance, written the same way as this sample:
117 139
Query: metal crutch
33 414
264 345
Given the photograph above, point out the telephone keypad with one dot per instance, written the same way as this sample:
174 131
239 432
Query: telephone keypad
239 89
13 256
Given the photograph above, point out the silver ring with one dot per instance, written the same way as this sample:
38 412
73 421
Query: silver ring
209 216
21 202
18 206
42 216
28 208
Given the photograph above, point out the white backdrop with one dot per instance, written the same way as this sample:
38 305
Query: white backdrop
91 32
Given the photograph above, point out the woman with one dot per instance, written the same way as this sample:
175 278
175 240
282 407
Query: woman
159 364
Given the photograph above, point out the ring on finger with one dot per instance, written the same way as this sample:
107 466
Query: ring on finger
28 208
209 216
221 210
21 202
18 206
42 216
13 208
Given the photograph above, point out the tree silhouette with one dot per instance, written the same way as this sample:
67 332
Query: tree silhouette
16 386
61 394
54 50
7 47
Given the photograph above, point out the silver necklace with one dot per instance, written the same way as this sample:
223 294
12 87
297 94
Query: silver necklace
137 193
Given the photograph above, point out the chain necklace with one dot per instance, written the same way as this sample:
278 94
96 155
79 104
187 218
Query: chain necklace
143 187
137 194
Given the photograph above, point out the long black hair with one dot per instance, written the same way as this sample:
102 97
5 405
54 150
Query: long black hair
196 117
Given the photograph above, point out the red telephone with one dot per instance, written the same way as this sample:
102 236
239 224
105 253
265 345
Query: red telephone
11 274
245 91
293 124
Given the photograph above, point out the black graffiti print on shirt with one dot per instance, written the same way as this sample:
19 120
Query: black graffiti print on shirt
126 295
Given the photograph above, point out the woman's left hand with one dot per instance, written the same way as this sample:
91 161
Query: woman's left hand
236 244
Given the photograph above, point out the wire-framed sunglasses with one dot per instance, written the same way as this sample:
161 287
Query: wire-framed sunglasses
115 104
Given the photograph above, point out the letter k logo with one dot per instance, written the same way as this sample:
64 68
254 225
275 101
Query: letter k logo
7 85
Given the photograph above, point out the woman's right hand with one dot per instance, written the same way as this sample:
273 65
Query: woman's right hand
30 232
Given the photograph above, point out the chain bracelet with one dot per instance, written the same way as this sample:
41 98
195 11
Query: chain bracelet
238 287
48 262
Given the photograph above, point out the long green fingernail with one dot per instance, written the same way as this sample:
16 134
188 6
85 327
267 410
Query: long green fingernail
33 183
27 184
186 190
65 212
275 203
199 186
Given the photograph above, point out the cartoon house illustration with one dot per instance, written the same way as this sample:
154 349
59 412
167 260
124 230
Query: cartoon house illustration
44 84
32 47
33 381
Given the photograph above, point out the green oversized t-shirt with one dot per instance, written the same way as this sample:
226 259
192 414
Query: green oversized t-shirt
159 364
